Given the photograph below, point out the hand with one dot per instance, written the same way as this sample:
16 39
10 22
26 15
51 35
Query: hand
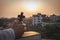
19 28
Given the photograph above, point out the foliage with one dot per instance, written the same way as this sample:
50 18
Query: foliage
52 31
3 22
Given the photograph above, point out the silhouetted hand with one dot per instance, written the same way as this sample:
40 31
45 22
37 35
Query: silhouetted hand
19 28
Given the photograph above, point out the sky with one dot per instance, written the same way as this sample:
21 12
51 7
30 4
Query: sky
12 8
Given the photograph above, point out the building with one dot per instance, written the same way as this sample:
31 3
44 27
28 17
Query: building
54 18
39 18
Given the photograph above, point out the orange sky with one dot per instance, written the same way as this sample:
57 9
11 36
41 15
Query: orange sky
11 8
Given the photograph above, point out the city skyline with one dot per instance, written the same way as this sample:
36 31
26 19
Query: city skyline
13 8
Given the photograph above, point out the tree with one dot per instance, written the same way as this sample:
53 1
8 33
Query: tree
3 22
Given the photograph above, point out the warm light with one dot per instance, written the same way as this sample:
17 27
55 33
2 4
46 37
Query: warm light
31 6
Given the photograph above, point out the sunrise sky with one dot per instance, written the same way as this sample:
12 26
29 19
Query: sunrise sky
11 8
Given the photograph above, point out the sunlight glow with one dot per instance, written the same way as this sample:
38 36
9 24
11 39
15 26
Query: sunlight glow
31 6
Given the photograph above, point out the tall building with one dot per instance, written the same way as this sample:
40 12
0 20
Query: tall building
39 18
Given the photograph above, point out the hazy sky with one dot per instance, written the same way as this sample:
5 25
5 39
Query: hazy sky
11 8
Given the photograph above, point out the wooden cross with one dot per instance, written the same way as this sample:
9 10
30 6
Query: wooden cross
21 16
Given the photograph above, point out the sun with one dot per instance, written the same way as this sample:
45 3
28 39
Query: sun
31 6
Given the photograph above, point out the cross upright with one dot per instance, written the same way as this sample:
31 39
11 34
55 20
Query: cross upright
21 16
